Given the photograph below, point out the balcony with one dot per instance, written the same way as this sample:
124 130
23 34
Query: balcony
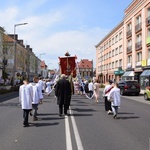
148 41
138 45
129 33
129 49
148 21
138 27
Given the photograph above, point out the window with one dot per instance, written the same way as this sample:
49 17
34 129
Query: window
109 43
112 41
148 53
116 38
116 63
139 56
138 38
129 27
129 59
120 35
138 20
120 49
148 33
148 12
120 63
129 42
112 65
116 51
112 52
109 65
109 54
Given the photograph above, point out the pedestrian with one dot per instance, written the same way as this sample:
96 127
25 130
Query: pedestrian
42 86
91 88
96 90
106 91
26 98
77 87
37 96
70 79
48 87
63 94
115 99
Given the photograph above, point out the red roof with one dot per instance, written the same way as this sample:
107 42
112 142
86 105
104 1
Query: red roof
85 63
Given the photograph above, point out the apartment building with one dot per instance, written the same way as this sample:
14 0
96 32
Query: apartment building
135 57
109 55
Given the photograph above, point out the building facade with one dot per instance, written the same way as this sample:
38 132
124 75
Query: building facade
85 67
134 60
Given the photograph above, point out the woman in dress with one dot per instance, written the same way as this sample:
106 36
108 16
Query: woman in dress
96 90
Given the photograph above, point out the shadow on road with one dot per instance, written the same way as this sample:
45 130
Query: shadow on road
43 124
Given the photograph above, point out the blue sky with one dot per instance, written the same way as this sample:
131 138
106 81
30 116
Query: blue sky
57 26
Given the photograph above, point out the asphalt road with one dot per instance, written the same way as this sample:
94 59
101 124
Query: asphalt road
87 128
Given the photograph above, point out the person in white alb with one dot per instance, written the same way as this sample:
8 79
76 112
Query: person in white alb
37 96
115 98
26 98
41 85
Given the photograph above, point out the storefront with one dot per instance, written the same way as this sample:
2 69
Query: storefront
118 74
145 78
128 75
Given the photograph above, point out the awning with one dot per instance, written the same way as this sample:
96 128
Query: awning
145 73
128 74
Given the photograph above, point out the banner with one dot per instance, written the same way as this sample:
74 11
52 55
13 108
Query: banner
68 65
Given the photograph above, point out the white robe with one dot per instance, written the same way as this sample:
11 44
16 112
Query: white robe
26 96
114 94
48 87
37 93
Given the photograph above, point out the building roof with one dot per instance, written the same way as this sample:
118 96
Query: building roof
85 63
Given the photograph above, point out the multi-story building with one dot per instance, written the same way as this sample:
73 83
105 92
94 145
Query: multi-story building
86 68
26 63
134 60
109 55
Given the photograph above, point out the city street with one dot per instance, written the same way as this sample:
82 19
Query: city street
88 127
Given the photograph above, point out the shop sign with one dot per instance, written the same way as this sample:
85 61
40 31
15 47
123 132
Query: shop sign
144 62
119 72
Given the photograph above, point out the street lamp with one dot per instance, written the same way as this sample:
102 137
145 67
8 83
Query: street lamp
42 54
14 67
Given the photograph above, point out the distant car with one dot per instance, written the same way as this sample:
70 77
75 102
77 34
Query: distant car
147 93
129 87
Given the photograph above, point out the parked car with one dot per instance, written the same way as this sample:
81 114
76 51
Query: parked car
147 93
129 87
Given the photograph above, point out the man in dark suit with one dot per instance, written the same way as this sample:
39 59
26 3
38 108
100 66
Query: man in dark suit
63 93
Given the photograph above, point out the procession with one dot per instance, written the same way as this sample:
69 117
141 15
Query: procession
64 85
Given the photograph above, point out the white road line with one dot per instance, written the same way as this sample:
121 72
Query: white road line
68 137
76 133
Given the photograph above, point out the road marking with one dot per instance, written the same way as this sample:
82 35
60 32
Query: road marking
68 137
76 133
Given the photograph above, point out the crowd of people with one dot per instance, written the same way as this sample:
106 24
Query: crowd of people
31 94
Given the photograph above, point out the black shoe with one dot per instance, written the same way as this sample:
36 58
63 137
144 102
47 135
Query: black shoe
60 115
31 114
26 125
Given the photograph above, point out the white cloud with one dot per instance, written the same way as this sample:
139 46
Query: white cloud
40 35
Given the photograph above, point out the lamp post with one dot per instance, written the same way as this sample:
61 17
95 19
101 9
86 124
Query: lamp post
42 54
14 67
